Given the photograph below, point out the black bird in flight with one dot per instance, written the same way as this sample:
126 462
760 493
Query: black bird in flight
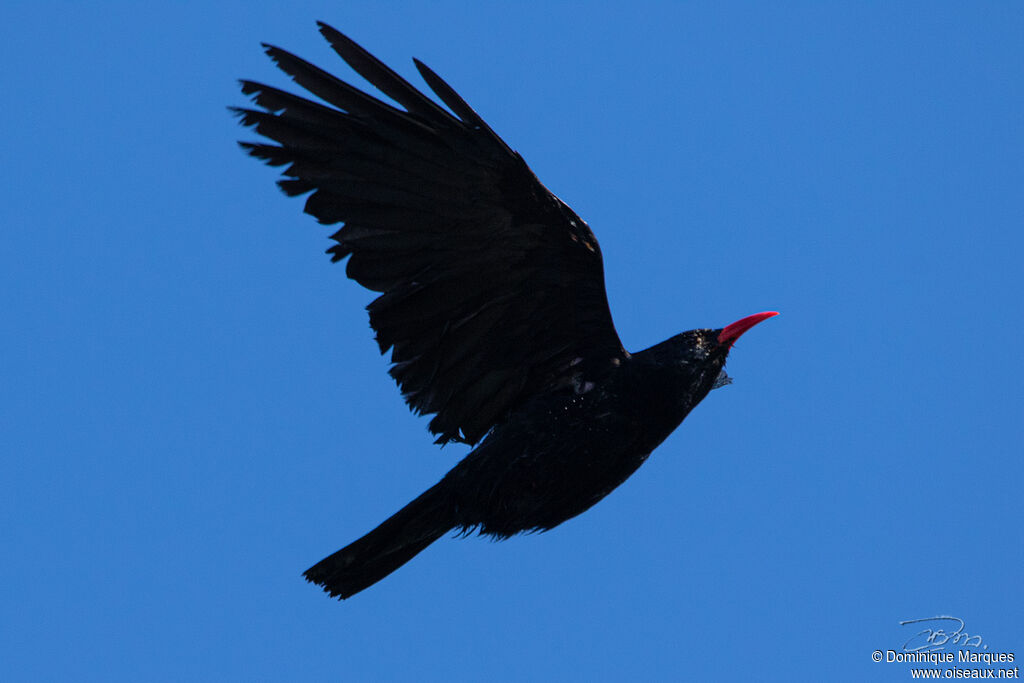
492 302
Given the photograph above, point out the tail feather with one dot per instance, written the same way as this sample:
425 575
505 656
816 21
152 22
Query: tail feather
401 537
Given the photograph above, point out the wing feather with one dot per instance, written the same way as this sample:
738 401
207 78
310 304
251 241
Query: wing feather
491 289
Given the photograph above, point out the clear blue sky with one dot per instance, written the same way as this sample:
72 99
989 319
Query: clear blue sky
194 411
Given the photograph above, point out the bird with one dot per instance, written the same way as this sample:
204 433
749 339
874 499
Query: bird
491 302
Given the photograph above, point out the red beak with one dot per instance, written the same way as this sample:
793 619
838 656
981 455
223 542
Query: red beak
730 333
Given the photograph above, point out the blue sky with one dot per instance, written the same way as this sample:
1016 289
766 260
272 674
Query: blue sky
194 409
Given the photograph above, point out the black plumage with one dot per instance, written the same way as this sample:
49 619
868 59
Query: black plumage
492 303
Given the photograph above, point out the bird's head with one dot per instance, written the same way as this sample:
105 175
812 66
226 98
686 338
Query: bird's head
680 371
699 355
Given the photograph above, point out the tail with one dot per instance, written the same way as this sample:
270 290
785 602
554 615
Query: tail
400 538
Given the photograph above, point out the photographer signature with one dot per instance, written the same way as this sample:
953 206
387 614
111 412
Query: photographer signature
929 639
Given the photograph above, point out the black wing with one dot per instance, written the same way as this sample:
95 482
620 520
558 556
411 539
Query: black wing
492 288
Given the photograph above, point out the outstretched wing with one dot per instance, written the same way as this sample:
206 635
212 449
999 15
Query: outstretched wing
492 288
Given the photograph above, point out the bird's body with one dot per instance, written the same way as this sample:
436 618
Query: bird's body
553 458
565 450
492 304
